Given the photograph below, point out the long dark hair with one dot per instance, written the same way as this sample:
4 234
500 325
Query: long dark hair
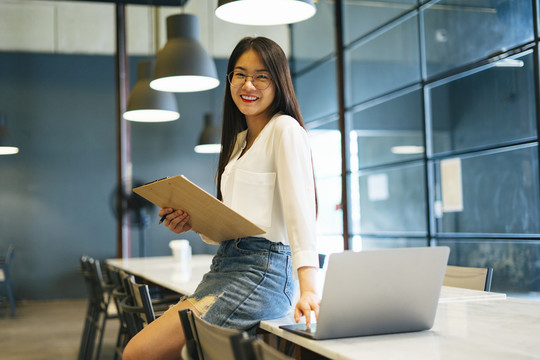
285 102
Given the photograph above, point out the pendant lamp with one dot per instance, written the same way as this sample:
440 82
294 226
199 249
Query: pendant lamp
146 104
7 144
210 138
265 12
183 65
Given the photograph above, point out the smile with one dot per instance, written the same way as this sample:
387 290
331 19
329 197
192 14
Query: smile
247 98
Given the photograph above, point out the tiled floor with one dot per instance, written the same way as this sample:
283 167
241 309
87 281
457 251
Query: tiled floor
49 330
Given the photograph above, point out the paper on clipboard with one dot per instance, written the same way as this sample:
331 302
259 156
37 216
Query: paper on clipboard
208 215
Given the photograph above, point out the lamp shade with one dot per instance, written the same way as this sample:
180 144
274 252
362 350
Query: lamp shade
265 12
146 104
210 138
183 65
7 144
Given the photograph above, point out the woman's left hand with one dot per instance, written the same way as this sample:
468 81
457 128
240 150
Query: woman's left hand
309 299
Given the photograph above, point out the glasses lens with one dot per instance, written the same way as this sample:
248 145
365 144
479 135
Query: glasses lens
260 80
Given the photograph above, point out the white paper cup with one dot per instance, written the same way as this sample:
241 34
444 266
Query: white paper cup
181 250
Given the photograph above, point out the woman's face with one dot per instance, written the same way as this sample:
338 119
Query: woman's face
252 102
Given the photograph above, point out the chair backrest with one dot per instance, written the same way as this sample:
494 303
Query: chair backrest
263 351
212 342
141 299
6 260
251 348
468 277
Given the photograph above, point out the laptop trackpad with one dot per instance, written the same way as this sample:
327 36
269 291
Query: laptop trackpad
301 329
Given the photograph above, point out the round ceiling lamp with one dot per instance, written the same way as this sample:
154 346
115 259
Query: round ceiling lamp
7 144
146 104
265 12
210 138
183 65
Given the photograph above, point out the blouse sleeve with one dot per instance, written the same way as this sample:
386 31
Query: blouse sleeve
297 191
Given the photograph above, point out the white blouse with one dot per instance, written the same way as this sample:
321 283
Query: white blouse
272 185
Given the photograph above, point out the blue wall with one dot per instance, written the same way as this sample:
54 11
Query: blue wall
55 194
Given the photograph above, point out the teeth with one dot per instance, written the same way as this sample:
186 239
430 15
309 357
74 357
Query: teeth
250 98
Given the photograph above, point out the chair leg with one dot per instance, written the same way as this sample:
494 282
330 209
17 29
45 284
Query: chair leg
11 296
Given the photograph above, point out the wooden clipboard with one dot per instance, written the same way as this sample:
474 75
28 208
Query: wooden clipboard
208 215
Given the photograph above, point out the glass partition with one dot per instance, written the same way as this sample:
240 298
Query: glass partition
459 32
490 192
361 17
316 91
483 108
390 131
389 200
515 263
314 39
383 63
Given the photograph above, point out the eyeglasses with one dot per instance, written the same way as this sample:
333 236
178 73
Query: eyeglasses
261 80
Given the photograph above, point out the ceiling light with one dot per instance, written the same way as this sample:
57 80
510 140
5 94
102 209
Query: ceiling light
210 138
146 104
265 12
7 144
183 65
407 149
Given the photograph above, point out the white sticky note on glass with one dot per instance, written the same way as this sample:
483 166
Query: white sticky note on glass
451 185
377 187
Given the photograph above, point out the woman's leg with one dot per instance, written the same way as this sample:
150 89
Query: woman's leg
162 339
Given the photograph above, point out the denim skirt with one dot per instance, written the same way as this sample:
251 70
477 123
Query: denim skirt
250 280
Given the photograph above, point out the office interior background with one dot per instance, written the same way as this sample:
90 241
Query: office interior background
422 117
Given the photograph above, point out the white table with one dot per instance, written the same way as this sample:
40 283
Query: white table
469 324
167 272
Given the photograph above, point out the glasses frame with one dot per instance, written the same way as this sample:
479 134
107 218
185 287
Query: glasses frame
229 75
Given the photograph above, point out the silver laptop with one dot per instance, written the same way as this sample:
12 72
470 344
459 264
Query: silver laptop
378 292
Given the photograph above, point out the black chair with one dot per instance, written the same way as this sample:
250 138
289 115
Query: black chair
98 311
5 263
205 341
250 348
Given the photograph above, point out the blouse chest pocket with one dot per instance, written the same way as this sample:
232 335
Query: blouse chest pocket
253 196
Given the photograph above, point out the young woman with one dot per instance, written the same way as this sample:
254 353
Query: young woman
265 173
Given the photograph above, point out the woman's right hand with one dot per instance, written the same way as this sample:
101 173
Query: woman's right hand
176 220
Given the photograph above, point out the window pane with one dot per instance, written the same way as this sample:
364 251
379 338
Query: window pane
516 264
492 106
385 63
361 17
319 27
316 91
389 200
325 143
391 131
490 193
329 244
458 32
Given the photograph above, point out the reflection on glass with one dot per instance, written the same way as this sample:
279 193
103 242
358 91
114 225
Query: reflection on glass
305 48
362 17
390 200
360 243
500 193
488 107
330 215
388 132
385 63
516 265
316 91
459 32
